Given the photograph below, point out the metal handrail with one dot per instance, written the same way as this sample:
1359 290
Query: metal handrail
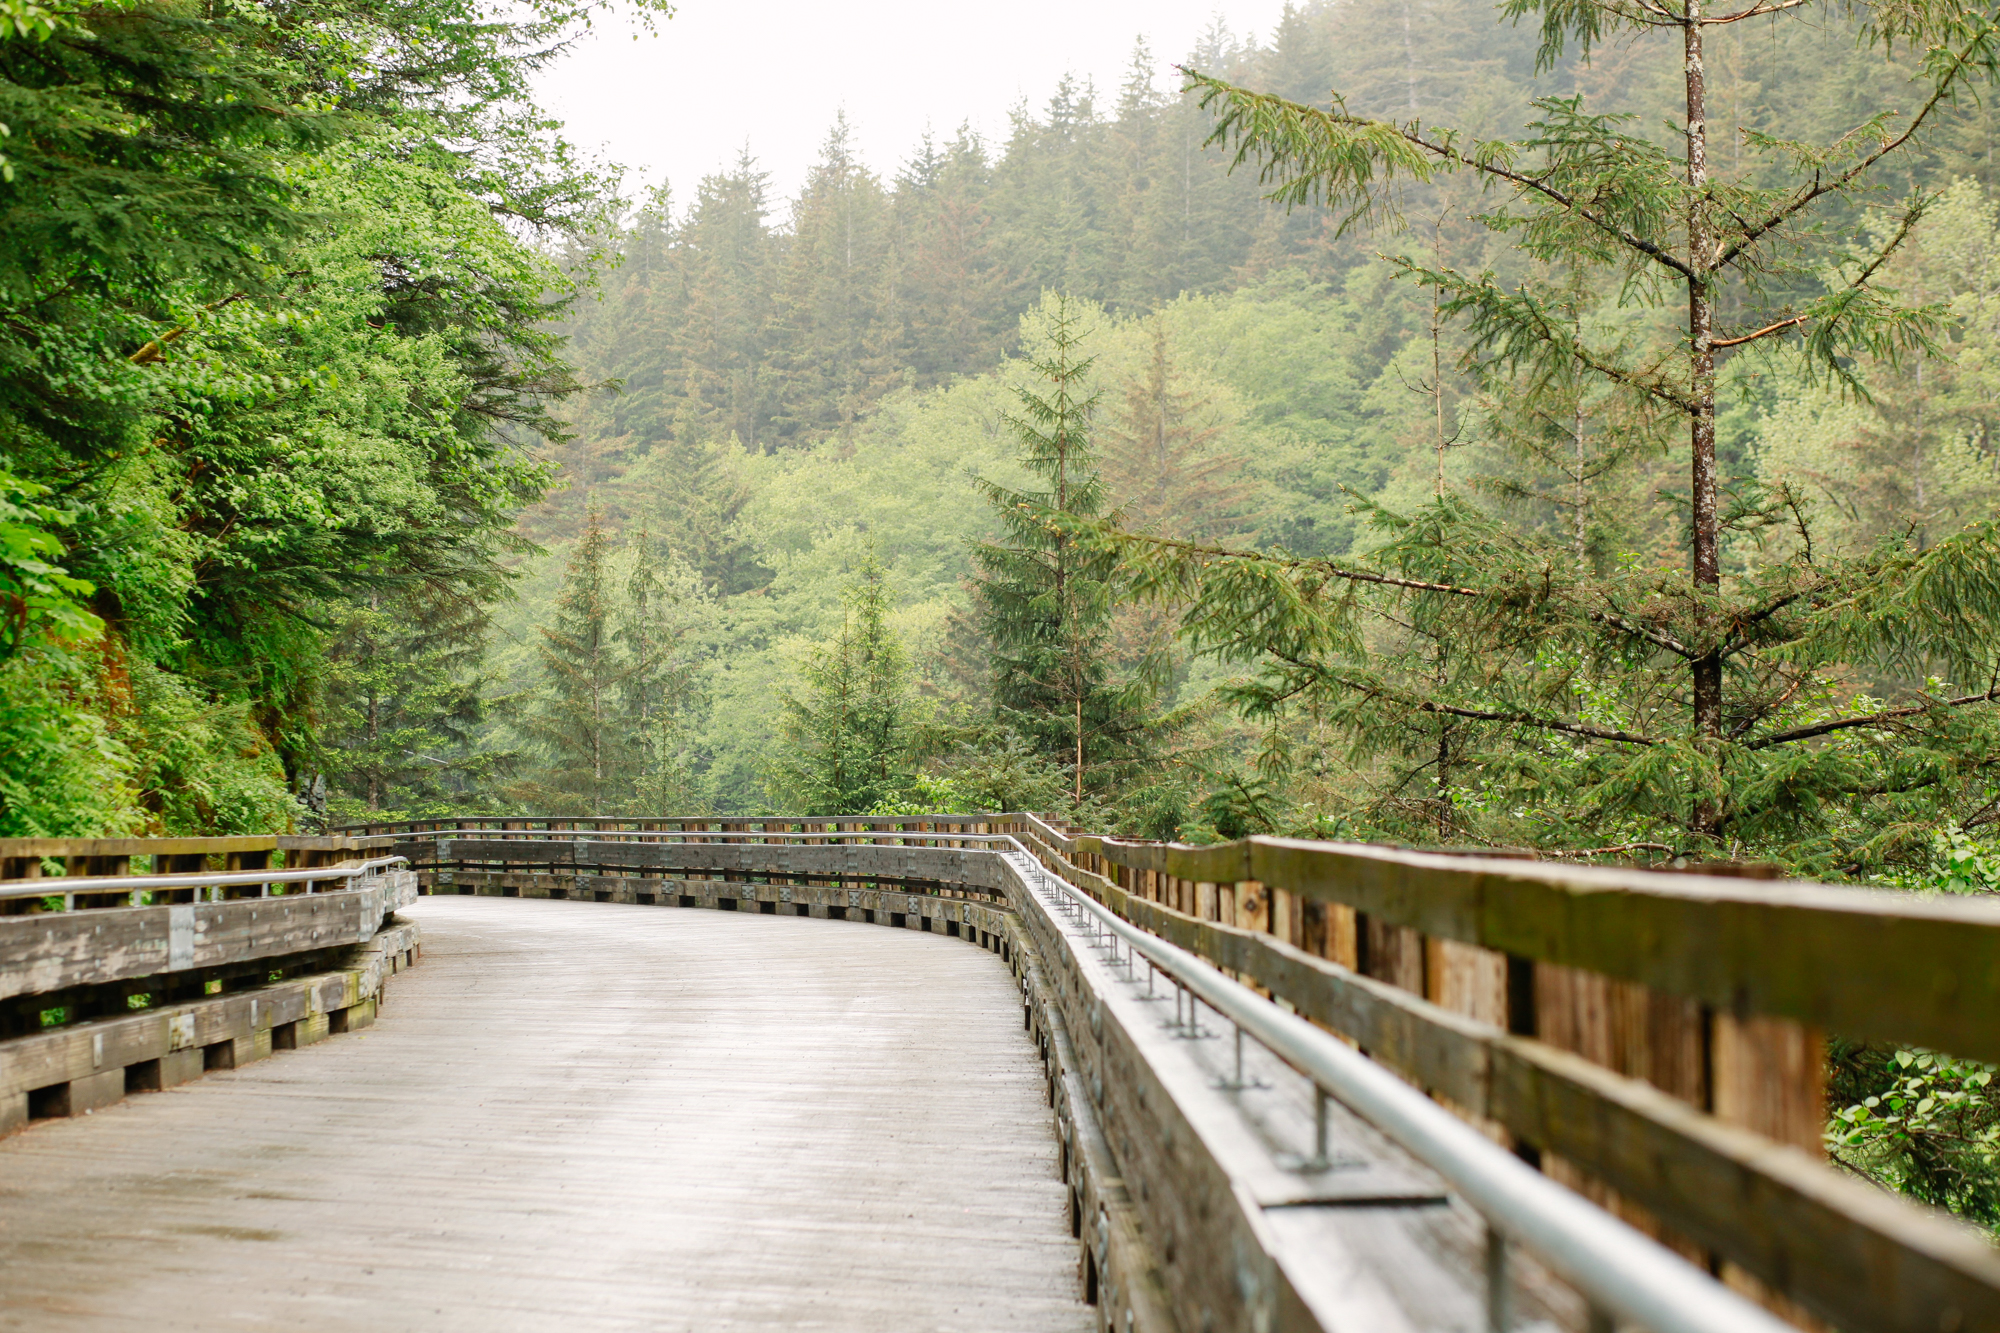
67 886
1615 1266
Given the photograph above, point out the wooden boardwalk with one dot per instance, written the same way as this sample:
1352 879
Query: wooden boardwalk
582 1116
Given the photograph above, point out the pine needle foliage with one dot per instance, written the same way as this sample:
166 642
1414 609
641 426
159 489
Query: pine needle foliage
1722 698
404 703
848 734
658 687
1046 593
578 723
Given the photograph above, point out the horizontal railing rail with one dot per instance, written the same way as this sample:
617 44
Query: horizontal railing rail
69 887
1842 1248
690 823
531 838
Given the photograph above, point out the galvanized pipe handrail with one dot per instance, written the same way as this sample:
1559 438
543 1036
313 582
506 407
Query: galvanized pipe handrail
1614 1265
68 886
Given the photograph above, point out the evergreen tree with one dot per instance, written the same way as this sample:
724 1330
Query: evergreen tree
1165 469
947 288
1046 594
1699 709
577 722
657 688
828 336
404 702
847 735
1162 462
728 257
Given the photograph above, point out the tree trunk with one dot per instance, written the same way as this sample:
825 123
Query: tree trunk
1707 568
1079 747
374 742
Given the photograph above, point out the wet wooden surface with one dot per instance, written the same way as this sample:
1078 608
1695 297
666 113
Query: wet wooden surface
580 1116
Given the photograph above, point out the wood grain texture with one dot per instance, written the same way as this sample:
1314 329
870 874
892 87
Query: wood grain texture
1861 962
582 1116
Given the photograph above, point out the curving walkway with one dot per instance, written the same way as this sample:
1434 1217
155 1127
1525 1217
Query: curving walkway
582 1116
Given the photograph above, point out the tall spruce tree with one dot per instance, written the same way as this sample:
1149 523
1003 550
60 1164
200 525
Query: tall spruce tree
1706 708
576 721
657 686
404 701
1046 594
847 734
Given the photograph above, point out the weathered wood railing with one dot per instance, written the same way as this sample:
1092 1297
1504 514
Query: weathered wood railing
1653 1040
133 964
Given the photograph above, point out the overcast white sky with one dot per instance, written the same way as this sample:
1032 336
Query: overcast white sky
774 72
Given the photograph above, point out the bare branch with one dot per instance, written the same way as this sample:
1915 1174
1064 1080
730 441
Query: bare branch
1872 720
1755 11
1764 332
157 348
1818 188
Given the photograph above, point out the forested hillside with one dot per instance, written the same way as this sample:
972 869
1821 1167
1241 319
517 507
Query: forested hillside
346 456
794 392
278 285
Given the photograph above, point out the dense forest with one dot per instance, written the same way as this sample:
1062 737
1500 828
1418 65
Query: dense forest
1421 424
811 425
368 453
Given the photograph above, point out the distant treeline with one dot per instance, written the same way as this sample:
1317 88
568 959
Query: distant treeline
732 314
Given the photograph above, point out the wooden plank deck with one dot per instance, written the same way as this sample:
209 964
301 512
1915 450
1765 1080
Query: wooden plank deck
582 1116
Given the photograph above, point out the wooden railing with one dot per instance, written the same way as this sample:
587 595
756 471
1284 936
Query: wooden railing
133 964
1655 1040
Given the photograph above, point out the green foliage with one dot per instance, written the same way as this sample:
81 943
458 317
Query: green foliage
847 735
38 599
1046 596
659 689
202 766
273 327
62 773
403 708
577 723
1534 669
1921 1123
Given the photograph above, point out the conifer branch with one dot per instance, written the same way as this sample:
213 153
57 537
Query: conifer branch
1961 61
1253 118
1873 719
1515 322
1608 619
1488 715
